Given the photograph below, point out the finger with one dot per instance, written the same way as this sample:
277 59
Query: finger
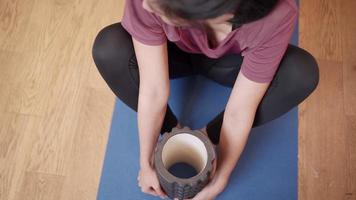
214 170
201 195
148 190
165 194
152 161
151 191
160 192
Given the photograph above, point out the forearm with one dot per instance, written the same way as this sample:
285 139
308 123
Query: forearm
233 138
150 115
239 116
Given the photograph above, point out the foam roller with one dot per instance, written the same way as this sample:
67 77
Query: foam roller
191 147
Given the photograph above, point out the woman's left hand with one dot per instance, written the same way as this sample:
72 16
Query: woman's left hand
215 186
209 192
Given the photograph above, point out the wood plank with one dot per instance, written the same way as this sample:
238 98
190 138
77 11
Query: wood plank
319 30
9 61
45 51
348 28
57 50
323 138
40 186
87 156
327 120
351 157
15 133
14 21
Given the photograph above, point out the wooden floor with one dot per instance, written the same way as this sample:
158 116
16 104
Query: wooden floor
327 120
55 109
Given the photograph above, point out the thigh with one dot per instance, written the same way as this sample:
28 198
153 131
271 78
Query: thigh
115 55
179 62
295 79
223 70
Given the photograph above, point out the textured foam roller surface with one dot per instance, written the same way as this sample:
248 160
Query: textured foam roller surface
267 168
187 146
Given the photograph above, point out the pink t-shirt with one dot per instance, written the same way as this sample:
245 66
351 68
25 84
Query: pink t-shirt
262 42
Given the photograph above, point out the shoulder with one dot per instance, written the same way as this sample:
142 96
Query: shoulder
134 9
284 14
142 24
285 10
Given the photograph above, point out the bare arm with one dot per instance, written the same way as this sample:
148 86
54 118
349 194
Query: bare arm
239 114
153 96
237 123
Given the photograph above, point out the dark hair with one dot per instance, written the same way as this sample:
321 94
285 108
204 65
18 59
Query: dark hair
192 11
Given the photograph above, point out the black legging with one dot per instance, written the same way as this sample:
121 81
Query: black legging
114 56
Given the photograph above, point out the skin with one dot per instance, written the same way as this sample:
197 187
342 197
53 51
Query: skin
219 25
152 104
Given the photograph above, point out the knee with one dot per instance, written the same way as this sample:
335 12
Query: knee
303 69
111 44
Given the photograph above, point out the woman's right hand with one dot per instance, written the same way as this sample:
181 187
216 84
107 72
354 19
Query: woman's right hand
149 183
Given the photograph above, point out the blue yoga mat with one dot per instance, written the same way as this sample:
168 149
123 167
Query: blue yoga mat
267 168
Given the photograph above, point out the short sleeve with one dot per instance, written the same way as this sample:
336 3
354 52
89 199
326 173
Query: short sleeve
261 63
142 24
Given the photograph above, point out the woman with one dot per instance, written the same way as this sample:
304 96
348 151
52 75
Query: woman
158 40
